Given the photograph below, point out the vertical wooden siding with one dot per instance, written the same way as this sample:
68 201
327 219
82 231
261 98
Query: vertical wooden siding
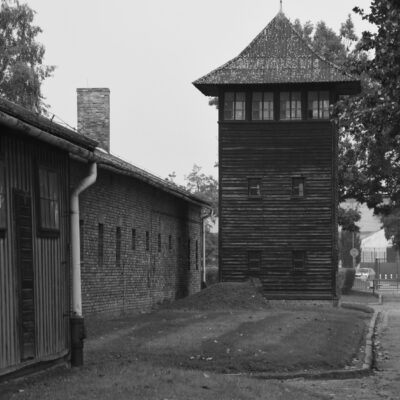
50 255
277 223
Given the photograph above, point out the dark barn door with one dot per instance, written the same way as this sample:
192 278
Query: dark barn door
23 240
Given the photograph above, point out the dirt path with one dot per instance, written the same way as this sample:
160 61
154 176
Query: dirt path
384 383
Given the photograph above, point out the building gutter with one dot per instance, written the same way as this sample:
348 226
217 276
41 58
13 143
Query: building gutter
77 321
36 133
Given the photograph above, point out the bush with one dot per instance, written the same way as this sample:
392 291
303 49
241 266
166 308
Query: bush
346 278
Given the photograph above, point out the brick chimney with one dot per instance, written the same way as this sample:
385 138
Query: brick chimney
94 115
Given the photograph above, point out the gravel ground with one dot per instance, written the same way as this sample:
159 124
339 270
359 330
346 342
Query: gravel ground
187 351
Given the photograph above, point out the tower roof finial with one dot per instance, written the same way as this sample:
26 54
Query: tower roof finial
281 10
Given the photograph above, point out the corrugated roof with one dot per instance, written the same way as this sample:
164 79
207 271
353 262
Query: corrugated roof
277 55
46 124
120 166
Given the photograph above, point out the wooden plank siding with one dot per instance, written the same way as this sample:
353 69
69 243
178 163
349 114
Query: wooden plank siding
50 264
277 223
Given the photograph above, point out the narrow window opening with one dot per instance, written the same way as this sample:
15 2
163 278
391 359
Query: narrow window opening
147 241
133 244
100 245
188 253
197 254
118 247
159 242
49 207
3 213
170 242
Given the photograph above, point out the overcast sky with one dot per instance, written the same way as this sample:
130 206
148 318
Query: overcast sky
147 52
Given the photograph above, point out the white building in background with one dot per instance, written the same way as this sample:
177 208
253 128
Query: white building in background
375 246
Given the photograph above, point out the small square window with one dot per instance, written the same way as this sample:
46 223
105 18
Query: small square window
298 186
234 106
253 263
254 187
299 258
49 207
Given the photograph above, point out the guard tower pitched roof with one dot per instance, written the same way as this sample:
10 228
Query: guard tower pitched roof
277 55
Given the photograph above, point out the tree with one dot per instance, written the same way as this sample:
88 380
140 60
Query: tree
206 187
21 57
347 218
371 121
347 241
349 236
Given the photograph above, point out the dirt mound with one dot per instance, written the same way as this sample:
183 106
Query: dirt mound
224 296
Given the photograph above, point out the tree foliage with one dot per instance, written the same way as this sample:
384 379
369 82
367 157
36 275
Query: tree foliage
21 57
347 218
205 186
370 122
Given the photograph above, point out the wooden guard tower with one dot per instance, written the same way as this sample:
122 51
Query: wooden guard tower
278 164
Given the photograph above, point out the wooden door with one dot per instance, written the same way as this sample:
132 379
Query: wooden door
25 275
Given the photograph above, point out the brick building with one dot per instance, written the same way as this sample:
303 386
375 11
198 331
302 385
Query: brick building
141 236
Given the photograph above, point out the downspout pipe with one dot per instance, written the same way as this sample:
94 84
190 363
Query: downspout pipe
77 321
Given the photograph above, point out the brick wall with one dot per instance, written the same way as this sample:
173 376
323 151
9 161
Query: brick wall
139 278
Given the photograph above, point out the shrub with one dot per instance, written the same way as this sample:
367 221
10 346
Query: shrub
346 278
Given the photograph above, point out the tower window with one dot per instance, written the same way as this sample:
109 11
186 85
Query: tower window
299 258
254 187
318 105
298 186
159 242
263 106
290 103
147 241
235 106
